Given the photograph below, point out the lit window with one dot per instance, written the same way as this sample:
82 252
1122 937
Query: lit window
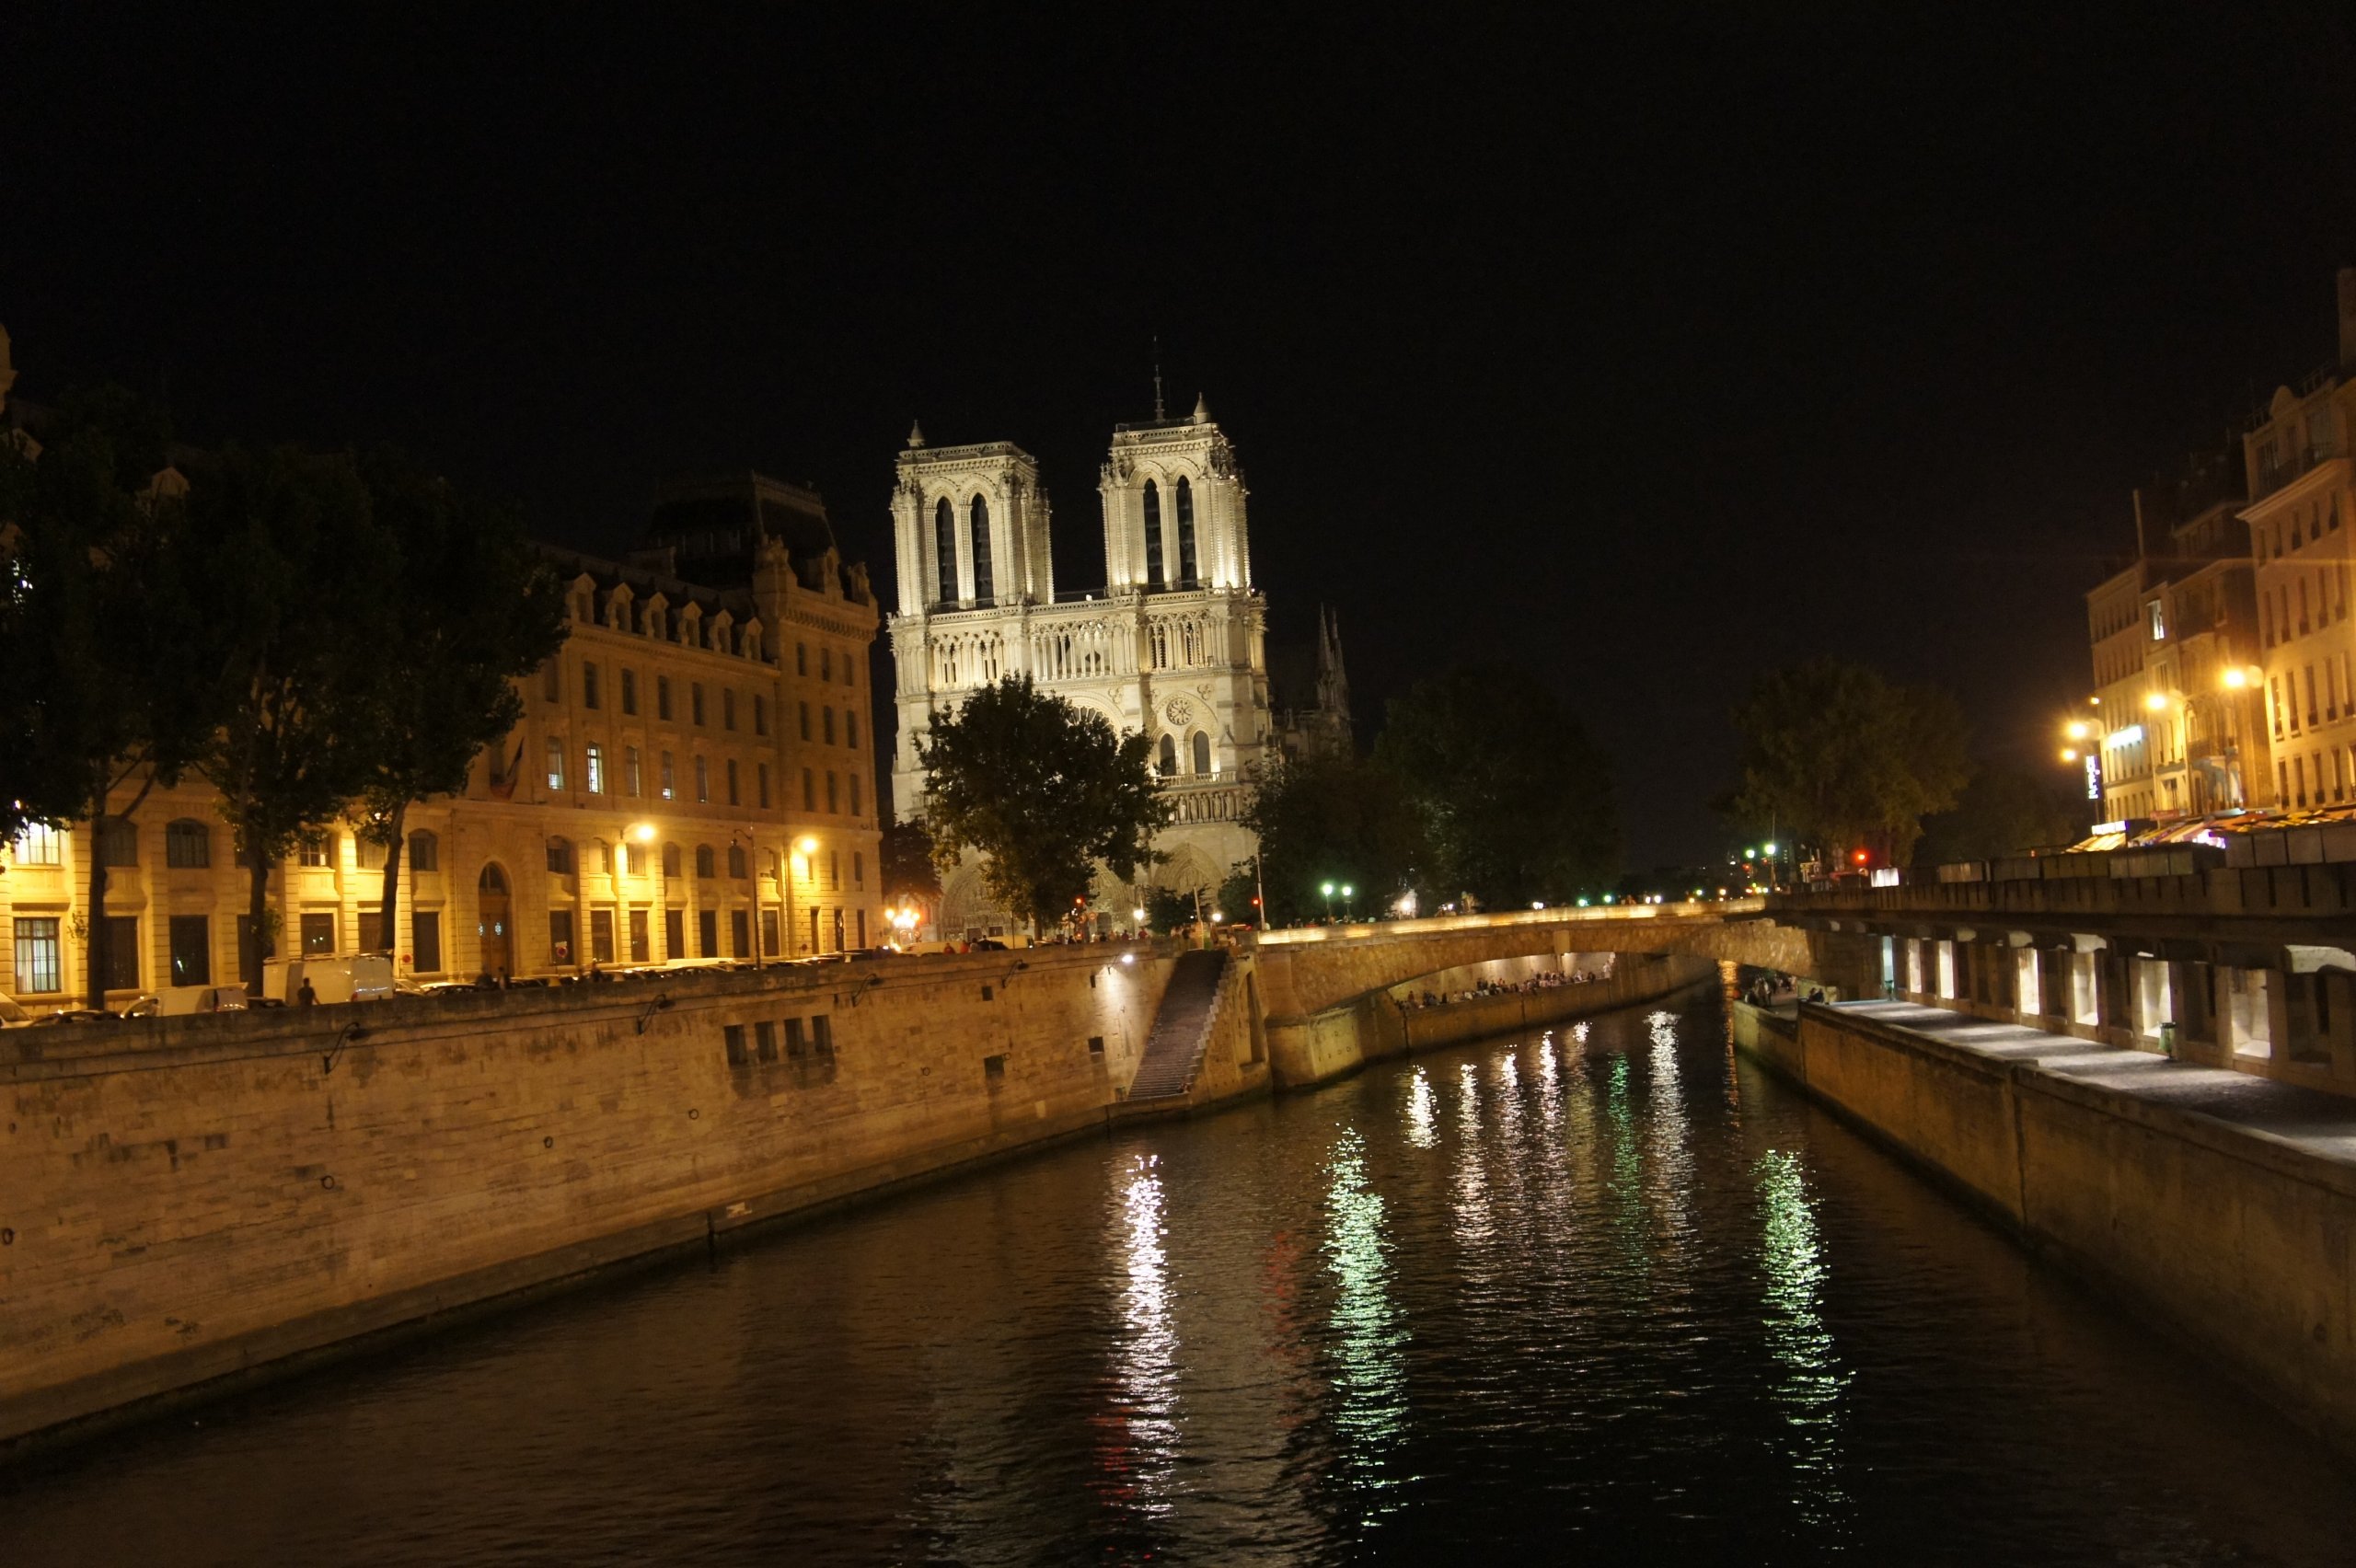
629 770
703 779
2159 622
670 791
39 845
556 761
38 969
596 778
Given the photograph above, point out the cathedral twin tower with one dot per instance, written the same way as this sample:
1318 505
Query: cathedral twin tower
1173 643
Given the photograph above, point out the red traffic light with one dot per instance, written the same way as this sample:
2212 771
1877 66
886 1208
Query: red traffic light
1861 857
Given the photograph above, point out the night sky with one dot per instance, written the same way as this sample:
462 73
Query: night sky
1644 359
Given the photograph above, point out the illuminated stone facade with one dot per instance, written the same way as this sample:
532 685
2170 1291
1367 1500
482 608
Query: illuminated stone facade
1173 645
692 778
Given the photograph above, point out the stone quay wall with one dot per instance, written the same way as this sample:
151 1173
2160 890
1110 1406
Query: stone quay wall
2241 1242
183 1200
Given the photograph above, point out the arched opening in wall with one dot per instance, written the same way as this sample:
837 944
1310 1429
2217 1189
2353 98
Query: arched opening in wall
1187 575
671 862
493 924
704 862
966 908
1202 759
1169 759
944 551
1152 535
979 522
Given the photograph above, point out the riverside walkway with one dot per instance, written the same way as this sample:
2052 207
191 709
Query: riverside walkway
2310 1121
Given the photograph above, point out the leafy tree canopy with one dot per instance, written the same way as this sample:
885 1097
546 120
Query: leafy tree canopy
1516 799
102 681
1833 753
905 856
477 608
1339 819
1045 791
2002 812
293 569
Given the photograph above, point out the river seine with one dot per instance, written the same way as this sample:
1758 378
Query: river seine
1604 1294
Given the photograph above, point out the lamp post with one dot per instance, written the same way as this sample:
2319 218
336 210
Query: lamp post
752 874
642 834
1349 892
1327 890
804 847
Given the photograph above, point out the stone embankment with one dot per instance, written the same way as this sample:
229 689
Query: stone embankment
2221 1205
187 1200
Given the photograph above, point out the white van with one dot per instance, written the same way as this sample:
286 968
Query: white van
359 978
176 1001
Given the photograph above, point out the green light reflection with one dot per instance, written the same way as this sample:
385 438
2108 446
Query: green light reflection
1809 1379
1370 1331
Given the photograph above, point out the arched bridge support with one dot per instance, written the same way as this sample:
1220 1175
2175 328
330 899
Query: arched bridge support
1326 987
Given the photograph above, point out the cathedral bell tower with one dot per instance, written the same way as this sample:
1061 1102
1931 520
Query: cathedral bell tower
1173 508
969 526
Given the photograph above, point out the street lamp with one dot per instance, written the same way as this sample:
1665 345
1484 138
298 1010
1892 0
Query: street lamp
1328 891
1349 892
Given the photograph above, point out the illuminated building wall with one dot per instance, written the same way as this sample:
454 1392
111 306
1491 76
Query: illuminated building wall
729 724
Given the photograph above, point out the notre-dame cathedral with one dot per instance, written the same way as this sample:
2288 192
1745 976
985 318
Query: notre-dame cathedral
1174 644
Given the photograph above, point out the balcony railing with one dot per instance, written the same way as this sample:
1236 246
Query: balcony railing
2299 461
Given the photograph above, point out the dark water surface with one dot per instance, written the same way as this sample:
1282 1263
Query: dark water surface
1601 1295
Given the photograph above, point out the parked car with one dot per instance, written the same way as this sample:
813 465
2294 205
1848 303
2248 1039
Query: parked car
11 1015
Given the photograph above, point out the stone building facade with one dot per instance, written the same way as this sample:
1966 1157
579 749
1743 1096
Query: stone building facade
2302 496
692 778
1174 644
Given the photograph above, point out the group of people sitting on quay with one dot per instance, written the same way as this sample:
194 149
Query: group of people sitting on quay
1548 982
1778 991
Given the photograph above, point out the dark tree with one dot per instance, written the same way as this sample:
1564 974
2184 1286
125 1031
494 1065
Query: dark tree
102 679
1337 819
2002 812
905 857
1834 755
1517 800
1042 788
477 607
295 568
1167 909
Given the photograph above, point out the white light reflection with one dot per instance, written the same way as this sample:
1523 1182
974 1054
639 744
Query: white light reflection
1420 1129
1370 1334
1146 1366
1810 1382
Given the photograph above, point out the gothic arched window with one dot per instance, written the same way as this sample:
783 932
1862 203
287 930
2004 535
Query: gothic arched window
1168 757
1186 572
1202 753
979 517
1152 535
944 549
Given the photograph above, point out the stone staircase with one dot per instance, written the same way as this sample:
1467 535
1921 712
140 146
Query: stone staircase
1190 1008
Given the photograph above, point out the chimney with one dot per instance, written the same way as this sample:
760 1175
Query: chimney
2348 316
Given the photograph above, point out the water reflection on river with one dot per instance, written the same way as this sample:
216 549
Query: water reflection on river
1600 1293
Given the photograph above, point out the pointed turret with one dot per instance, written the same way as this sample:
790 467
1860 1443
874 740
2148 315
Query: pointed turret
1202 409
916 434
